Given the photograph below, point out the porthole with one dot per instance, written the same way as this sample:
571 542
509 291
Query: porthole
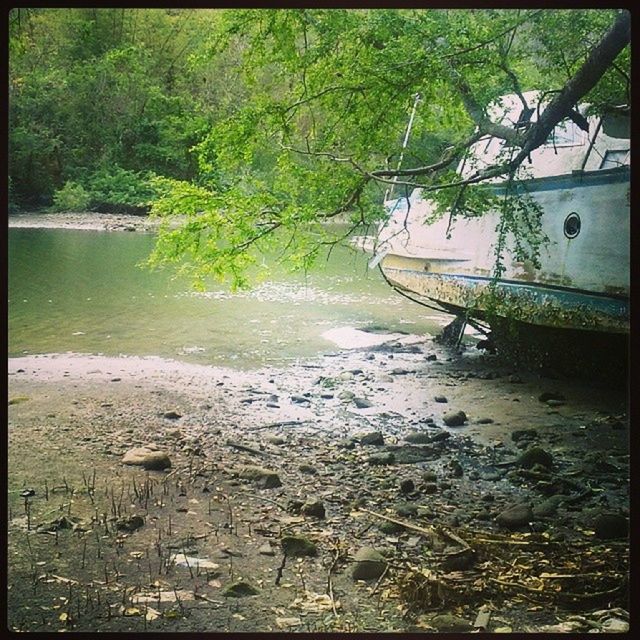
572 225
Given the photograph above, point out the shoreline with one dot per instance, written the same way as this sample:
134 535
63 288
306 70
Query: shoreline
86 220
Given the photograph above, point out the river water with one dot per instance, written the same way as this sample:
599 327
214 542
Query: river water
83 292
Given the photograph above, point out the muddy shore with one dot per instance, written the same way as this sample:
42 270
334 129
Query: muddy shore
349 451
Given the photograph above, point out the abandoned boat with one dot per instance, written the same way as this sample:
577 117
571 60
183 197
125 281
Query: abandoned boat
580 182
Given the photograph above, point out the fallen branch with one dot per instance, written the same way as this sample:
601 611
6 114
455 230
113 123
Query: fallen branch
426 532
244 447
273 425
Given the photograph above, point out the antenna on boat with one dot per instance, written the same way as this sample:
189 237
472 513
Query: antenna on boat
389 192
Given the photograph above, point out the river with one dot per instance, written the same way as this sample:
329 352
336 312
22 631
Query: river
83 292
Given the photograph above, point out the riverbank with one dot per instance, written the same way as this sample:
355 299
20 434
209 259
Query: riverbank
88 220
359 449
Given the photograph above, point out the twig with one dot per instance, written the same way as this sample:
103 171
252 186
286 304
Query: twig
380 579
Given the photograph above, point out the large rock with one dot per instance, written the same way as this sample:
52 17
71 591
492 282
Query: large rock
609 526
373 437
515 516
454 418
378 459
369 564
533 456
298 547
264 478
418 437
149 457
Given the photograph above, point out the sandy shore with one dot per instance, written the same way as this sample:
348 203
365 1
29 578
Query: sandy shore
73 416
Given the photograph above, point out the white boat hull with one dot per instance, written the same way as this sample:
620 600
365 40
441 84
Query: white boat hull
582 282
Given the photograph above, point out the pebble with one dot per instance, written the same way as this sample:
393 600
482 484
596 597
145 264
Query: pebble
515 516
264 478
441 399
298 547
407 486
313 508
362 403
454 418
171 415
308 469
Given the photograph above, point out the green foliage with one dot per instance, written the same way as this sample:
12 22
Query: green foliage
116 186
72 197
260 125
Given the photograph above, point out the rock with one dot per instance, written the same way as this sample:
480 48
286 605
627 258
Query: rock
431 357
520 434
391 528
615 625
171 415
418 437
313 508
300 400
346 395
308 469
406 510
410 455
381 459
441 437
362 403
407 486
27 493
56 525
148 457
326 396
460 561
264 478
429 476
399 371
345 443
130 524
484 421
294 506
298 547
440 399
373 438
240 589
266 550
369 564
456 469
454 418
430 488
448 623
277 440
533 456
550 395
516 516
609 526
548 507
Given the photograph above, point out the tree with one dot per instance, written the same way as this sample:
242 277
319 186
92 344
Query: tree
319 136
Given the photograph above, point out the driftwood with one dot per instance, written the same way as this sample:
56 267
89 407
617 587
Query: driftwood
244 447
427 532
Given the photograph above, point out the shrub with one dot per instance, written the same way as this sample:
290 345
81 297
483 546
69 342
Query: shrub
72 197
